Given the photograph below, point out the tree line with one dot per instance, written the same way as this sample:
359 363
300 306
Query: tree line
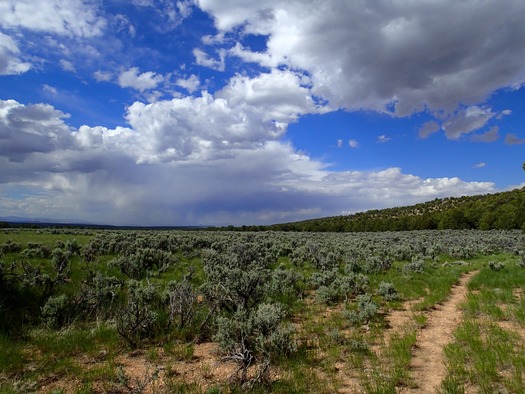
504 211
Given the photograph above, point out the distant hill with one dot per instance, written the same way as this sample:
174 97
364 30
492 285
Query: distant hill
505 210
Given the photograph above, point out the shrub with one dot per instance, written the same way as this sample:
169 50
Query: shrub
327 294
374 264
358 346
37 250
181 299
417 266
496 266
253 336
236 278
11 247
57 312
137 319
283 285
144 261
366 310
388 291
353 284
333 287
99 295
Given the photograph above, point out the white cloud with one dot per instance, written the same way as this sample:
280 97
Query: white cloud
243 114
185 7
10 62
191 84
383 138
49 89
122 23
480 165
279 94
340 143
102 76
33 128
168 14
246 55
141 82
465 121
212 40
67 66
224 166
171 167
429 128
386 56
65 17
353 144
505 112
203 59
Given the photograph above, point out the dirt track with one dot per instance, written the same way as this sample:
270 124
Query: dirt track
428 364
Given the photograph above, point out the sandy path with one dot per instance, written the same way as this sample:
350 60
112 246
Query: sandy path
428 361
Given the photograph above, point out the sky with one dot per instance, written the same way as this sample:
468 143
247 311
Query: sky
219 112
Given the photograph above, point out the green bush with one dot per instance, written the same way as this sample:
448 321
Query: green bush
259 335
376 263
387 291
366 310
57 312
416 266
137 319
496 266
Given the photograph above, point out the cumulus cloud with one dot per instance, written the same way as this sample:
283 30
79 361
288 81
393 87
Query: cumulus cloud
170 167
37 128
429 128
10 61
102 76
243 114
489 136
191 84
465 121
132 78
203 59
65 17
396 57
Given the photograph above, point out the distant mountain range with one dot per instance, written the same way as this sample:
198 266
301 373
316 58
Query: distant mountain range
18 219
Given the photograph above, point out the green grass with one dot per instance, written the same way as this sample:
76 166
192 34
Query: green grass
11 355
432 286
75 340
488 352
44 237
389 369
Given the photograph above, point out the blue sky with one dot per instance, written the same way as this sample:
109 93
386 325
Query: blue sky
208 112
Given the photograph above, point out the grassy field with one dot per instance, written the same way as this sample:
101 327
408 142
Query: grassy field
130 311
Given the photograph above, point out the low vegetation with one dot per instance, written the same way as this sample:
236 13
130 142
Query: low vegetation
122 311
